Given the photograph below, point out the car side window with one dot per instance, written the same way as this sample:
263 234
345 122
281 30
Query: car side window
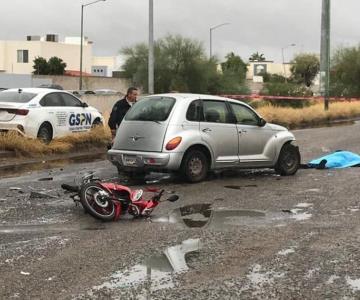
216 111
193 112
52 99
244 115
70 100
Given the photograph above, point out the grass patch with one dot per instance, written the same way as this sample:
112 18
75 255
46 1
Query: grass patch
309 116
96 138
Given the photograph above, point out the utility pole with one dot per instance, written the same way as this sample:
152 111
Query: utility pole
325 53
151 47
81 39
81 45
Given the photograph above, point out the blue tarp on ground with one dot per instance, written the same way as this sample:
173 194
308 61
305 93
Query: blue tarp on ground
337 160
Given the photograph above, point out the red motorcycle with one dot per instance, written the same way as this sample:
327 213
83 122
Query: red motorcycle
108 201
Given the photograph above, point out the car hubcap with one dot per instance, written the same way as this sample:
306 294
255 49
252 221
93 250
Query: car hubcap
289 160
195 166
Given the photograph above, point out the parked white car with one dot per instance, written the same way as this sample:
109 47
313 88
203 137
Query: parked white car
45 113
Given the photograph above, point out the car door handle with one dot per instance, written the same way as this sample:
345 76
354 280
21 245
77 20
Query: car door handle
206 130
242 131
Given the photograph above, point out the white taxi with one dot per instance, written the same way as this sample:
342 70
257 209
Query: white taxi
45 113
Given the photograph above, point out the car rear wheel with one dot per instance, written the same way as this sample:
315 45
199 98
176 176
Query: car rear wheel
96 123
289 160
195 166
45 133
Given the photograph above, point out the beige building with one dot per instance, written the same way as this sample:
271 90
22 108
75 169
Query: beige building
255 68
16 57
103 65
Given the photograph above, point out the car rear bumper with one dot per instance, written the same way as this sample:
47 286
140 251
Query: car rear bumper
142 161
6 127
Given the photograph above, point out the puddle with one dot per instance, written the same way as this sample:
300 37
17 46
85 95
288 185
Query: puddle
16 170
155 273
202 215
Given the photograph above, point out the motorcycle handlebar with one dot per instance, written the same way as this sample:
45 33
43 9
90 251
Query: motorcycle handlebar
158 196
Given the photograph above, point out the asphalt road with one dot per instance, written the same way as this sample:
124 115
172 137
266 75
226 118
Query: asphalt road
243 235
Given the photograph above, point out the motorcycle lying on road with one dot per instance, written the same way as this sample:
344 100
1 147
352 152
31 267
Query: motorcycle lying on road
107 201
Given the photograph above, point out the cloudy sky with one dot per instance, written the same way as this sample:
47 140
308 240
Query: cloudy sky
263 25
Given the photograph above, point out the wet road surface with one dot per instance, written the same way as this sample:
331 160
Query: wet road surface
238 235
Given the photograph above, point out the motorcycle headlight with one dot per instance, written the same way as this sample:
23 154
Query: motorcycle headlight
137 195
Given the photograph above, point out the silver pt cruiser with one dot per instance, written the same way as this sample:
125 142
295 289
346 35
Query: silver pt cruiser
192 134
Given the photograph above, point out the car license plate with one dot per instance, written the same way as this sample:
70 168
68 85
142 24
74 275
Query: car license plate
130 161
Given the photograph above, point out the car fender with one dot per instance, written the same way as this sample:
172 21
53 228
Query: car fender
34 120
280 139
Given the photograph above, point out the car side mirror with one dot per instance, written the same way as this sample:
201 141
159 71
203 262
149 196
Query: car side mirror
262 122
84 104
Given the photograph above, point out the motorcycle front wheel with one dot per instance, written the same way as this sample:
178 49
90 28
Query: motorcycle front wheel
97 201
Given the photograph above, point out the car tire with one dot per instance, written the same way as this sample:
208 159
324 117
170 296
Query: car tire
45 133
96 123
195 166
289 160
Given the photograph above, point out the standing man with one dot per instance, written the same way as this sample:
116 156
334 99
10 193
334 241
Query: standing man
120 109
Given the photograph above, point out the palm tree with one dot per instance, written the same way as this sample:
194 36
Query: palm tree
257 57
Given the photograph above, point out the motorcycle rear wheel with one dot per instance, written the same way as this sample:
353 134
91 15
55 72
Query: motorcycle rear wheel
97 201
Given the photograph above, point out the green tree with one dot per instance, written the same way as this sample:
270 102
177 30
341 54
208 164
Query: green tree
234 65
180 64
257 57
40 66
56 66
345 72
233 75
304 68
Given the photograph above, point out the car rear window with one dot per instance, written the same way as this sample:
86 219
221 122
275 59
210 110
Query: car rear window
151 109
15 96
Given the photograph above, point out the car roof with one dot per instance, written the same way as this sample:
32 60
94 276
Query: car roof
189 96
36 90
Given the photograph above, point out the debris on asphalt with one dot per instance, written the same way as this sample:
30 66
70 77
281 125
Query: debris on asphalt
46 179
233 187
14 188
24 273
325 149
238 187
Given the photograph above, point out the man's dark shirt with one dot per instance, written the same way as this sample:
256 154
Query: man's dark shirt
118 113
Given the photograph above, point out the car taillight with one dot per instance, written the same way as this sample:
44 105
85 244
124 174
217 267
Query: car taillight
20 112
173 143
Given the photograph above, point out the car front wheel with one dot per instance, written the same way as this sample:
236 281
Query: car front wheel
289 160
195 166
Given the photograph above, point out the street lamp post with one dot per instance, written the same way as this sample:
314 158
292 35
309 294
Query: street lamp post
81 38
283 57
211 30
151 48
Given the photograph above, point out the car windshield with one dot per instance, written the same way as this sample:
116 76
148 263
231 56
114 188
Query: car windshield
154 109
16 97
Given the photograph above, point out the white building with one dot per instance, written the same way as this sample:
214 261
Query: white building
16 57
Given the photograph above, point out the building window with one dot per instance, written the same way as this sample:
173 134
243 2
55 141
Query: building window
23 56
